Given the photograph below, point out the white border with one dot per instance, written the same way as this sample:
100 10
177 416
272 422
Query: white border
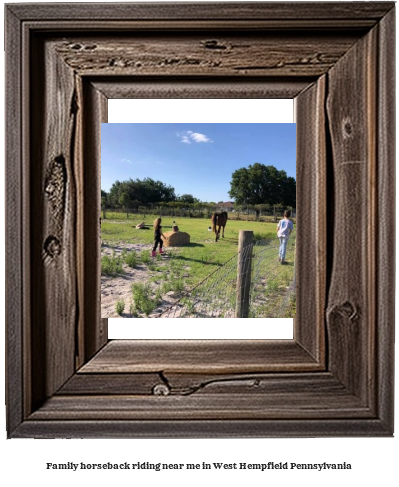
202 110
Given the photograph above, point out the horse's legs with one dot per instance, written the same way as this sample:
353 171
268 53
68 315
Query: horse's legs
223 231
217 234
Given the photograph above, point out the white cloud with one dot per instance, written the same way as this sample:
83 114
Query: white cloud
200 137
189 136
126 160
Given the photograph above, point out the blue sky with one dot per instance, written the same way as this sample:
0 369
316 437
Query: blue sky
194 158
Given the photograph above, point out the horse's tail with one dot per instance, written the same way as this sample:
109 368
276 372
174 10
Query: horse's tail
214 220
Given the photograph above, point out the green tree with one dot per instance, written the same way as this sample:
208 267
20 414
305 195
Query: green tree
124 201
258 184
146 191
261 208
188 198
104 202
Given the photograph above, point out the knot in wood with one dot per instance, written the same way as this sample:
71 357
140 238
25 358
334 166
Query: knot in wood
161 390
90 47
213 44
349 310
347 128
50 189
54 188
346 310
52 246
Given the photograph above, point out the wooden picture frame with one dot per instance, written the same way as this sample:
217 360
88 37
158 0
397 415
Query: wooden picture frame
335 378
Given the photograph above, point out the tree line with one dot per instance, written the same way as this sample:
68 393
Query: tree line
256 186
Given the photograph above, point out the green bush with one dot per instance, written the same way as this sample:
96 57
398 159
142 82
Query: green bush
145 257
166 287
131 259
111 266
188 305
133 310
143 301
178 285
158 295
120 306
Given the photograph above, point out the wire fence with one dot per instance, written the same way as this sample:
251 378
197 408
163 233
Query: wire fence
267 214
255 275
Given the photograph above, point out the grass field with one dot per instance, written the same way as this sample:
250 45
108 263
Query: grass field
202 249
185 266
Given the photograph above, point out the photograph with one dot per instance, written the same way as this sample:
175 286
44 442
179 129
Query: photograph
222 210
198 220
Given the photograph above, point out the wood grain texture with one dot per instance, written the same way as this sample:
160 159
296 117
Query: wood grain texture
94 113
258 88
340 26
265 54
111 384
288 428
184 384
203 407
386 211
316 385
300 395
310 173
208 11
14 258
53 203
311 257
351 310
175 87
200 356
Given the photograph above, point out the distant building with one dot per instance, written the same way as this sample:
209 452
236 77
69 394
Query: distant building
228 206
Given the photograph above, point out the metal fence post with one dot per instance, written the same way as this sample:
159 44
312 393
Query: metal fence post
244 273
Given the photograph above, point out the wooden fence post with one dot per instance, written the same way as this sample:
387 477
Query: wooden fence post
246 238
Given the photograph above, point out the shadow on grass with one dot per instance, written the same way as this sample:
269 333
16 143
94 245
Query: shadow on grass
201 261
230 239
193 245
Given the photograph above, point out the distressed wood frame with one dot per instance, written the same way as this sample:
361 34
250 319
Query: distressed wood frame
335 378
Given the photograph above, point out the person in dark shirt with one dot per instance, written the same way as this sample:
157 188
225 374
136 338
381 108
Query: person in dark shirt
157 237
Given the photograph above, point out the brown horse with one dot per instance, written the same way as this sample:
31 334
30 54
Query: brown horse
219 220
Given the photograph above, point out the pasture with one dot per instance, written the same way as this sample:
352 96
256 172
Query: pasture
126 251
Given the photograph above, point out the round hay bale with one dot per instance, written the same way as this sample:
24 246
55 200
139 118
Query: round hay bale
176 239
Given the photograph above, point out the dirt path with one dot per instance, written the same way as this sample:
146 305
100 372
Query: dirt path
120 287
271 295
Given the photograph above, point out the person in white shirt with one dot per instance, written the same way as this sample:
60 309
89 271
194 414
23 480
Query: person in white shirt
284 230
